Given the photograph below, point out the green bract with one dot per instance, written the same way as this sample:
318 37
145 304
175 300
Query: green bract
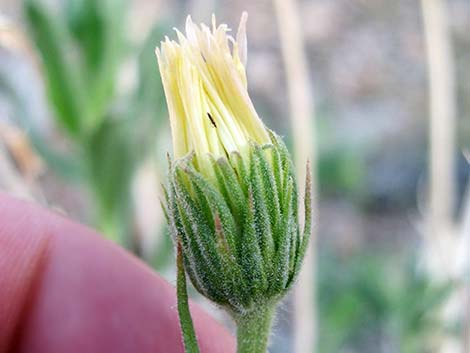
238 230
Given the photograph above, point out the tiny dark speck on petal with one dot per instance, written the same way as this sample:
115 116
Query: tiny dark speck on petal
211 119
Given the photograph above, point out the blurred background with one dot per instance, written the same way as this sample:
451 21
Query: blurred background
375 93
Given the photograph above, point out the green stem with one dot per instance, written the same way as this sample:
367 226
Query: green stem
253 330
186 322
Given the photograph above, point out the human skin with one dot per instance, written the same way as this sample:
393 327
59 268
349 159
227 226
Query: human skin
65 289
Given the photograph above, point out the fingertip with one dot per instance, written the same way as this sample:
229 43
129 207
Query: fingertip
95 297
22 256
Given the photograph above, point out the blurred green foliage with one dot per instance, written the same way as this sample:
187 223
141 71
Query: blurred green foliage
341 171
81 46
369 303
80 49
341 164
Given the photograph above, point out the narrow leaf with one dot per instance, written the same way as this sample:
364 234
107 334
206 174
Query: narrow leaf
62 85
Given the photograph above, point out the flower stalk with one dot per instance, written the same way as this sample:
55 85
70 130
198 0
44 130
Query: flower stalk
186 323
253 329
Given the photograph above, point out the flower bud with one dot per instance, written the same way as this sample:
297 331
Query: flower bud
232 201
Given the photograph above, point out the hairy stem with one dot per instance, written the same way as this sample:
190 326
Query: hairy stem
186 322
253 330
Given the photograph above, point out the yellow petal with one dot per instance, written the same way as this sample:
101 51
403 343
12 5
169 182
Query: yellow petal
205 85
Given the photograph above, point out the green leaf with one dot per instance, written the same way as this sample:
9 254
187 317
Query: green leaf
62 84
111 160
106 53
87 25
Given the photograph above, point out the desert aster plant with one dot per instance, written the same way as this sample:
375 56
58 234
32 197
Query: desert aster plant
231 201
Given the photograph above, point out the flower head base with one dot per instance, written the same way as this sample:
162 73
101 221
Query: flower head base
241 242
206 90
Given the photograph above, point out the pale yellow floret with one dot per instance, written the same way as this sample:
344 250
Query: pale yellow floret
205 84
